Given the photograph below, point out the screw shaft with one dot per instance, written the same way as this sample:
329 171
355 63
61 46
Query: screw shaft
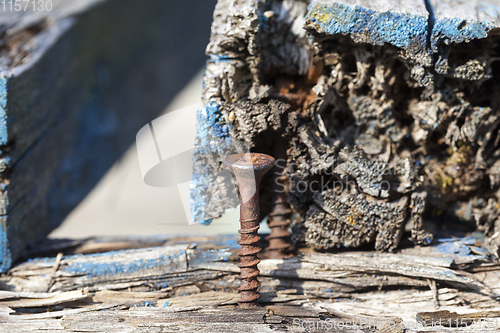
279 217
279 220
248 258
248 170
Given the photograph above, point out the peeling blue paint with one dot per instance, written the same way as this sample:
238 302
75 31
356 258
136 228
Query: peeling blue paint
460 246
215 58
5 255
399 29
210 256
143 304
3 110
212 137
94 269
456 30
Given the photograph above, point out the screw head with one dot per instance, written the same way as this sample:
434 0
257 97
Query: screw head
248 169
249 161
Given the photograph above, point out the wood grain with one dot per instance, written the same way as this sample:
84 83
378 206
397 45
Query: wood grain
138 290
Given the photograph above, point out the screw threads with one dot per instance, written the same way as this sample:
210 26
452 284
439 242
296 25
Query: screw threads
248 263
248 170
279 217
279 221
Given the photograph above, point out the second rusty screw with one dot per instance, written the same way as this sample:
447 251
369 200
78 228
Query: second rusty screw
248 169
279 221
279 217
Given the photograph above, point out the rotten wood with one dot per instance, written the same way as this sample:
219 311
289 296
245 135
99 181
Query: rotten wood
389 110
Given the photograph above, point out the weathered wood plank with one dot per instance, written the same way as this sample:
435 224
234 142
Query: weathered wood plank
38 326
406 305
339 267
69 296
315 274
111 267
4 294
368 315
75 84
160 319
59 314
357 282
453 319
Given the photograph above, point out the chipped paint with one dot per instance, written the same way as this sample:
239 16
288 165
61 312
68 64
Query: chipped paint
218 255
459 246
5 255
3 110
455 30
399 29
116 263
96 269
211 133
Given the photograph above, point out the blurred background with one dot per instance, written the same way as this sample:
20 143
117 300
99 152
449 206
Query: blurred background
79 79
122 204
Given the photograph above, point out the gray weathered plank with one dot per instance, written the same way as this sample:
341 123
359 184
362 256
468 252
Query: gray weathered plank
296 294
74 91
373 314
171 267
69 296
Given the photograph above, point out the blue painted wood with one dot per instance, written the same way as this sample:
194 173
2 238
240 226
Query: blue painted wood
75 102
416 27
178 265
3 110
458 21
209 187
406 24
401 23
164 266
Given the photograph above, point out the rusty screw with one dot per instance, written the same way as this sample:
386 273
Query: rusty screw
248 170
279 221
279 217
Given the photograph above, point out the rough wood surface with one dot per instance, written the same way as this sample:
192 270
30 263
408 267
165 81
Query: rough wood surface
76 83
463 21
401 23
389 111
174 266
333 292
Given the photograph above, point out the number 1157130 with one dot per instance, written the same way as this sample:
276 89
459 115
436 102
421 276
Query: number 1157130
26 5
